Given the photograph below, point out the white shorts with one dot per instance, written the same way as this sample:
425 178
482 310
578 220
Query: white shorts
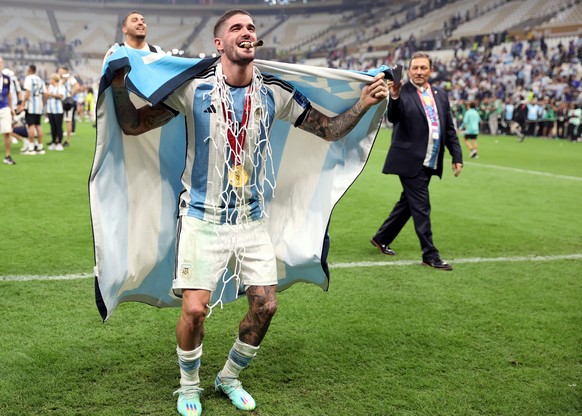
205 251
68 115
5 120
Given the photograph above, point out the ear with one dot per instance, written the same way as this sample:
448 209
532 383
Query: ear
218 45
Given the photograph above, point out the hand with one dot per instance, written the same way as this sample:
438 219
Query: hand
394 89
457 167
375 91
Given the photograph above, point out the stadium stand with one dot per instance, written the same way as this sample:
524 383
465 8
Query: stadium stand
473 42
510 15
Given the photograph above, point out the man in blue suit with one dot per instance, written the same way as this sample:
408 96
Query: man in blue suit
423 127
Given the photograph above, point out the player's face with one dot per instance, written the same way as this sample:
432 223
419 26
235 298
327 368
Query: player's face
237 29
135 26
419 71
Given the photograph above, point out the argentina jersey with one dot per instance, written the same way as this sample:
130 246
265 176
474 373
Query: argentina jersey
37 88
228 143
55 105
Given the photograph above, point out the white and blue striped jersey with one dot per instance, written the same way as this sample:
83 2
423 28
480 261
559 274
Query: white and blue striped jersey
55 105
37 88
69 85
208 194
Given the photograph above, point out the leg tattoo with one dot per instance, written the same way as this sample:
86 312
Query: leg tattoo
262 307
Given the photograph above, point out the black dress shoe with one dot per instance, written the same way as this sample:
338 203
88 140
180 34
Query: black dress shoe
437 264
384 249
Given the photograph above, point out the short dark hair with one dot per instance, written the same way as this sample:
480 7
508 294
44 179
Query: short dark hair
423 55
32 68
124 23
227 15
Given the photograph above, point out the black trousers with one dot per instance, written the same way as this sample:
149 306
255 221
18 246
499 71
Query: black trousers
414 202
56 123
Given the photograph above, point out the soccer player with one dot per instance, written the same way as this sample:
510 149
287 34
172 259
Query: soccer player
229 110
135 29
34 91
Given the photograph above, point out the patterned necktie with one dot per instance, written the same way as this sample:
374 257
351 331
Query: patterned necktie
434 133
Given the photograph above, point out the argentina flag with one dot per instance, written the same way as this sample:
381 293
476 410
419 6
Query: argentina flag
135 181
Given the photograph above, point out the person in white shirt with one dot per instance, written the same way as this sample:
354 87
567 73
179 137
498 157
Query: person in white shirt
72 87
135 29
54 111
228 112
34 91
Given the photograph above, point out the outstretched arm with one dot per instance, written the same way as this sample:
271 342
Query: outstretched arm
135 121
334 128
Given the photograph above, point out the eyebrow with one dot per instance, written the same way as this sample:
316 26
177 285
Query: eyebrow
239 25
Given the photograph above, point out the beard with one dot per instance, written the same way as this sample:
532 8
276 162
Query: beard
233 53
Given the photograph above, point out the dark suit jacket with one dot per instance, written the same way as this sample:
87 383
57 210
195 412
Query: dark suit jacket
410 132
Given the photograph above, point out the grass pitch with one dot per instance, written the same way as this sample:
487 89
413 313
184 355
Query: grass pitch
499 335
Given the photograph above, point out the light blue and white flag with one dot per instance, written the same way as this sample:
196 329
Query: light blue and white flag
135 180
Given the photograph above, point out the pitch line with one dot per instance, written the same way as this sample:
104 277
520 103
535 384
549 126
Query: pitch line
531 172
28 278
456 261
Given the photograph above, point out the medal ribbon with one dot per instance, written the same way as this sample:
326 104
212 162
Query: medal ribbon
237 143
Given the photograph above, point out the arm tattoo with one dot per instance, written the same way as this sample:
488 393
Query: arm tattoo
134 121
157 116
127 114
333 128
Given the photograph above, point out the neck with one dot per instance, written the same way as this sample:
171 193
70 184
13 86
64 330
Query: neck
237 75
135 43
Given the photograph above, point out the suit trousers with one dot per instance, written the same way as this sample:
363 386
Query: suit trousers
414 202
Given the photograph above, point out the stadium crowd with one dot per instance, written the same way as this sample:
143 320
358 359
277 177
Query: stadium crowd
546 79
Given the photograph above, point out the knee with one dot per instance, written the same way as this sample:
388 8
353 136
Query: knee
194 313
266 309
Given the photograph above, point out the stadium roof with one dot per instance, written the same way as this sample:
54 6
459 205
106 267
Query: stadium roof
211 6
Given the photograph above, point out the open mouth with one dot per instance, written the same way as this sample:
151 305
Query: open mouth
246 44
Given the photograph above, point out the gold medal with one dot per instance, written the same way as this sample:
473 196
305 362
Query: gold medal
238 177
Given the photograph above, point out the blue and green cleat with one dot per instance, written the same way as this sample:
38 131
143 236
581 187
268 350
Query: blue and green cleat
233 389
189 401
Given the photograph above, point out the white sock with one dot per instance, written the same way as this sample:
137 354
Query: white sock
239 358
189 362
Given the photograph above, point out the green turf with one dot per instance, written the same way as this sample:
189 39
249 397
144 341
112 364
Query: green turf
490 338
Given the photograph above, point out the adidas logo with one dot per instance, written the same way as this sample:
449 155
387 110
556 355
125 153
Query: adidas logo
210 109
